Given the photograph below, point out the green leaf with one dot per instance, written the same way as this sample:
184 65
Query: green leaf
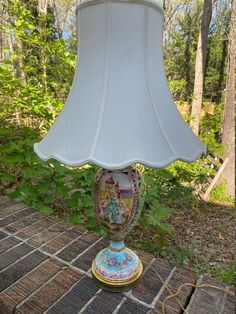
89 212
62 189
87 201
75 200
156 216
47 198
13 158
77 219
16 195
46 209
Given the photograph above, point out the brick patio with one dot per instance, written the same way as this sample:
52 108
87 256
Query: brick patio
45 268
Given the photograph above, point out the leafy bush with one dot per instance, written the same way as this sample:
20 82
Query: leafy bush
47 186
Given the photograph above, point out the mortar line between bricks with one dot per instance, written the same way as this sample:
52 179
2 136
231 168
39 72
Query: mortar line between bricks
34 250
62 261
20 210
68 244
163 287
43 285
30 238
129 294
89 272
48 254
60 234
19 259
89 302
19 220
119 306
11 248
59 299
7 237
70 263
21 278
36 222
86 250
222 307
189 305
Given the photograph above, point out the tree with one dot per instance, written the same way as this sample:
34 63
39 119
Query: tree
36 67
200 65
180 42
229 117
216 58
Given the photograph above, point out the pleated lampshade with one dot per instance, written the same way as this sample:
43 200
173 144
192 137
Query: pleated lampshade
120 110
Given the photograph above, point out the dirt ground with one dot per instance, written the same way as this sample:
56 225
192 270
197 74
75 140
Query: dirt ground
202 240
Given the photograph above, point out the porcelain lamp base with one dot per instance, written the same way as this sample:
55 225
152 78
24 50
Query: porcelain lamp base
117 268
119 197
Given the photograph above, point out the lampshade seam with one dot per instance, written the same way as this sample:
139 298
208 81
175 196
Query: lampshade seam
105 82
146 70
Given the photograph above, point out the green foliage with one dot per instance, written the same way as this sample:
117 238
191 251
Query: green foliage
183 255
224 274
218 193
227 275
180 48
177 87
36 75
211 131
156 215
180 45
47 186
215 75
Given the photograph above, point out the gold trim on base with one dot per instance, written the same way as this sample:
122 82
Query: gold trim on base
117 283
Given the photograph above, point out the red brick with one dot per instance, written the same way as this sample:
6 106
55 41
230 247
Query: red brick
37 227
48 234
8 210
10 219
180 276
7 243
61 241
78 246
150 284
49 293
14 254
25 222
31 282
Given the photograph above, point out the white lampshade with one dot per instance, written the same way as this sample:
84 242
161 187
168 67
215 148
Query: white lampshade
120 109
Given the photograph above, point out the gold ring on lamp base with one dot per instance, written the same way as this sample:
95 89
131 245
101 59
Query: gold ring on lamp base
119 285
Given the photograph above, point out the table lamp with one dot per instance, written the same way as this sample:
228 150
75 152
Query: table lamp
119 112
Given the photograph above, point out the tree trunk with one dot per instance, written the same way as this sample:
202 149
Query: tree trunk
229 122
200 66
187 55
18 63
43 10
43 6
1 33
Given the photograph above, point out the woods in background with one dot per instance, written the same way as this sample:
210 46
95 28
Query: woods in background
38 52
